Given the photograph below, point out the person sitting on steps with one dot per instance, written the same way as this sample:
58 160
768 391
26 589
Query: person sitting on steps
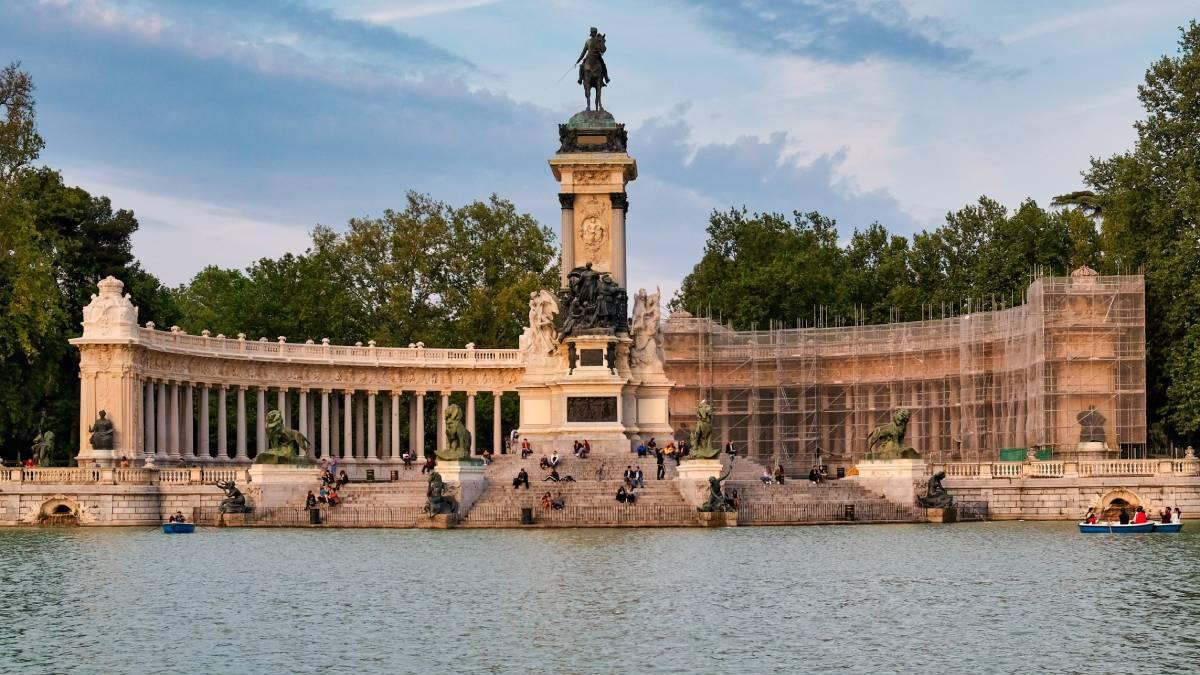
521 479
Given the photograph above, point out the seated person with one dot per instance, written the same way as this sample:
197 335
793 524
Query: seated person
1123 518
544 463
429 465
622 496
1139 516
1090 516
545 503
779 474
408 459
526 449
576 448
559 502
334 499
323 495
487 457
766 477
177 517
554 460
814 475
731 498
630 497
585 449
521 479
552 476
342 479
642 450
652 445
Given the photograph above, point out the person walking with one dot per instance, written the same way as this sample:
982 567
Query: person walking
661 470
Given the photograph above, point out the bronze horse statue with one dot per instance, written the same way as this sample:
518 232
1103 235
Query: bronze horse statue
593 71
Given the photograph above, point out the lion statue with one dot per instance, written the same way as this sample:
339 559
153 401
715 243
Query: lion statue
287 446
887 440
458 439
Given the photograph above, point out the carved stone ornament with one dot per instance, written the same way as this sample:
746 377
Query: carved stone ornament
110 314
591 409
593 230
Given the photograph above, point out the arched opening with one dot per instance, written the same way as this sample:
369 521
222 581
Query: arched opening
58 512
61 510
1115 501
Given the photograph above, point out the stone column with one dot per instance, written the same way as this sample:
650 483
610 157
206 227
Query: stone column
240 448
173 423
348 425
359 432
567 202
497 435
281 403
335 427
160 422
148 418
260 424
325 422
471 419
222 424
420 426
310 432
304 420
443 401
189 423
285 408
620 206
395 427
204 451
372 446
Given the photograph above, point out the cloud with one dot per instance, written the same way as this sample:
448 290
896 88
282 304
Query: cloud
838 31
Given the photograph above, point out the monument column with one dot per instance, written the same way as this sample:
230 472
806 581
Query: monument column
420 432
304 419
372 447
443 402
281 404
395 437
497 436
173 423
240 448
471 419
325 423
347 425
222 424
359 436
204 451
567 201
189 419
148 418
335 426
260 423
620 206
160 421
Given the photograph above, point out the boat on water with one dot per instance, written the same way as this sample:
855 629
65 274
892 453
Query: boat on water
178 528
1131 528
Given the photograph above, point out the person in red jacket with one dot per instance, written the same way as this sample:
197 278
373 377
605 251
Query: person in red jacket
1140 516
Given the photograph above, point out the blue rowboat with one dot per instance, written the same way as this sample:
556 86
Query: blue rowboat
179 528
1116 528
1169 528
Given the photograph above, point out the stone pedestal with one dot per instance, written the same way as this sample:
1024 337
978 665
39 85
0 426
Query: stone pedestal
273 485
717 519
895 479
948 515
468 480
231 520
692 479
1095 451
442 521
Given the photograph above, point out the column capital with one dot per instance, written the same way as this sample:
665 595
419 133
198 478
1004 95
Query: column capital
472 393
372 392
304 390
446 392
326 391
620 200
566 200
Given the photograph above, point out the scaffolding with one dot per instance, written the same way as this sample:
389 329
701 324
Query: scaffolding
981 386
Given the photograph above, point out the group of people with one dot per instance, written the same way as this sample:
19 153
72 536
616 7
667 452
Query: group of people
332 480
177 517
817 474
582 449
775 478
557 502
1138 517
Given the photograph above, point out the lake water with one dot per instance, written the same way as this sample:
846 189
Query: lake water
969 598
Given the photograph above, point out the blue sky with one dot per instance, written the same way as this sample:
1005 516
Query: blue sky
232 127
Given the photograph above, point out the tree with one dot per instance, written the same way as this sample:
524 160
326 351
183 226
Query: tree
1149 199
19 139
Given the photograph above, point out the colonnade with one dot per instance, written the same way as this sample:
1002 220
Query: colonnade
350 425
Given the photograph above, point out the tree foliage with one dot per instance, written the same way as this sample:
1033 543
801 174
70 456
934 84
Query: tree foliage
20 142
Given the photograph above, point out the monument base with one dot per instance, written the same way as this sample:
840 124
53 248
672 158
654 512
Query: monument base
895 479
717 519
946 515
230 520
692 479
467 478
275 485
1095 451
442 521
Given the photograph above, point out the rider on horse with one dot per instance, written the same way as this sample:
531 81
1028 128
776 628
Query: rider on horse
587 47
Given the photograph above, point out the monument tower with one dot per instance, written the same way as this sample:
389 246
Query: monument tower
591 372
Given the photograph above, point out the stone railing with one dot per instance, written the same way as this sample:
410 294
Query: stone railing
119 476
1061 469
203 345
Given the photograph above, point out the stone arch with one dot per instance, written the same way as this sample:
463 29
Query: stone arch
59 510
1116 499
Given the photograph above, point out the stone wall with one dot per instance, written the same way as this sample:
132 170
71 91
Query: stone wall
1070 498
104 505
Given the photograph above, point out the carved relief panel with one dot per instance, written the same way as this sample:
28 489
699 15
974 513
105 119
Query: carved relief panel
593 231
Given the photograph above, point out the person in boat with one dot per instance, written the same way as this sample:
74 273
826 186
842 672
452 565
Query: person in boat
1178 515
1090 516
1140 516
1165 515
1123 518
177 517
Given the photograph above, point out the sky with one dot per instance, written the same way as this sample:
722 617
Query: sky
230 128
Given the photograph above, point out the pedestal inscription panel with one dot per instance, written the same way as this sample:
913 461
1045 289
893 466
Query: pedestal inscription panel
591 408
